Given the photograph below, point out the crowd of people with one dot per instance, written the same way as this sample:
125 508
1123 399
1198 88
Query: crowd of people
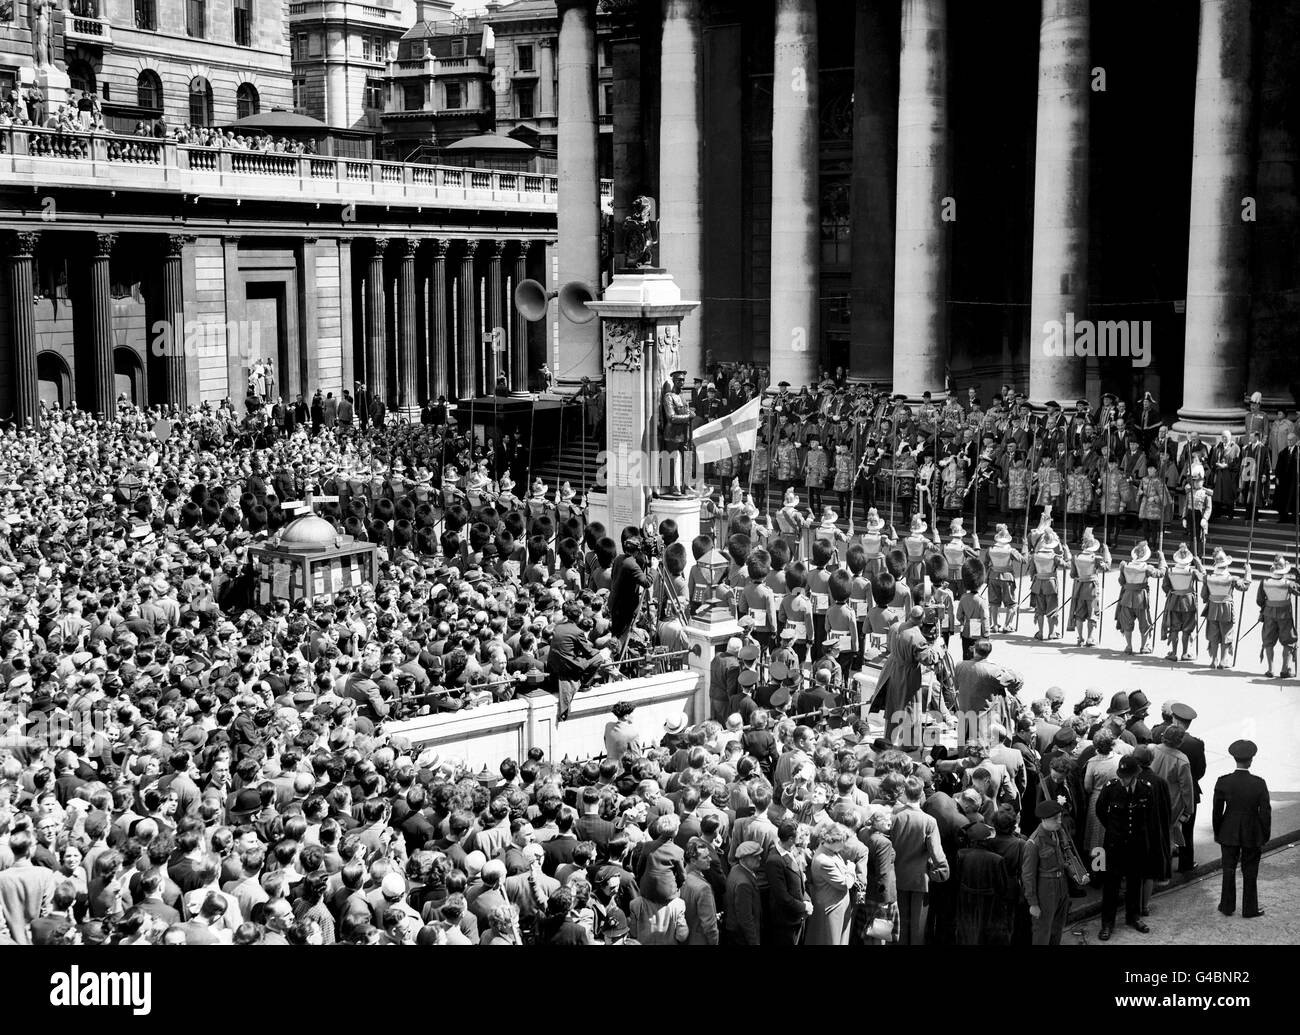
182 761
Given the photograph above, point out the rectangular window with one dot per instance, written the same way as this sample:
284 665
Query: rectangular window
374 93
196 12
299 94
365 48
458 48
606 99
524 58
525 102
146 14
413 96
297 46
455 98
244 23
606 54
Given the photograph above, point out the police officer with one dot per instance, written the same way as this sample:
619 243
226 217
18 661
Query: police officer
1126 810
1042 875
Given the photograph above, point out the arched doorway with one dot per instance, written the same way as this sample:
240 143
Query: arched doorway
53 379
200 102
128 377
247 102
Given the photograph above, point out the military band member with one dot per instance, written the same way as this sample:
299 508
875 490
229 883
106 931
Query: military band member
998 561
1085 603
1153 503
1113 489
1179 617
1196 512
1220 585
1134 606
1274 599
1046 559
1078 498
1042 875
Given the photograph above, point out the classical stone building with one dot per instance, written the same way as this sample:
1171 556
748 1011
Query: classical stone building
339 50
438 87
927 189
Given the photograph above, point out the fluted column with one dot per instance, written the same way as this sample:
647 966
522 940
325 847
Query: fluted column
794 341
1059 292
22 326
101 323
439 338
376 347
173 300
408 383
578 198
496 313
467 346
1218 252
681 168
546 79
519 333
875 163
921 234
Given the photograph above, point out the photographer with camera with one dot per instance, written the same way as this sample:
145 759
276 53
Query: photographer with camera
631 573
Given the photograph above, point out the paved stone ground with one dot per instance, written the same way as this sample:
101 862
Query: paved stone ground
1188 914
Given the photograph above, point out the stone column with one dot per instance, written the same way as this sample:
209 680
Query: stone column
101 323
468 345
629 114
795 340
376 376
519 332
408 382
546 79
1218 250
681 169
1275 309
173 304
22 326
578 198
1059 291
496 313
439 339
875 163
921 235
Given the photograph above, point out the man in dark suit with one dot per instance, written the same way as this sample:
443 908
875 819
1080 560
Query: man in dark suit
570 656
1284 497
919 859
788 902
1194 748
1242 826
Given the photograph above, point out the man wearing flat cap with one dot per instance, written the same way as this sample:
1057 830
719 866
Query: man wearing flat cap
1242 818
1042 875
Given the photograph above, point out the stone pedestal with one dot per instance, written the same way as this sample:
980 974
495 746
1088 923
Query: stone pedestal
711 637
686 512
640 314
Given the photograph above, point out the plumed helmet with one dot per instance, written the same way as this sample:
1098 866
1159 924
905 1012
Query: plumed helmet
424 516
247 501
384 509
171 491
230 519
402 532
937 566
972 575
218 493
199 493
211 511
257 518
275 518
332 512
143 506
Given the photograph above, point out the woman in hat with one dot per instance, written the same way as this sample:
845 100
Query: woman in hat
1216 594
1179 616
1274 597
1101 768
831 880
1133 607
1085 602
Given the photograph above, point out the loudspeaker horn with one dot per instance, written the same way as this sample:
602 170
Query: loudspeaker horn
573 298
531 298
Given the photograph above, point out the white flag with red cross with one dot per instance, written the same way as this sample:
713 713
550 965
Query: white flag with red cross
731 435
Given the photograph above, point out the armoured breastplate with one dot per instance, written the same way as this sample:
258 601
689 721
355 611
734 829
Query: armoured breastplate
954 553
871 544
1276 591
1086 564
915 548
1219 588
1181 579
1135 573
1044 563
1000 557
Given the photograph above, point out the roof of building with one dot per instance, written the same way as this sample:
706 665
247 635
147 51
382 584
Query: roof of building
308 530
488 142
